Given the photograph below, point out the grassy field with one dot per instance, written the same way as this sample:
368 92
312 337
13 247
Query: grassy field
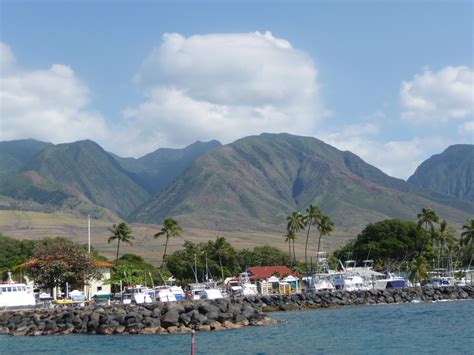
37 225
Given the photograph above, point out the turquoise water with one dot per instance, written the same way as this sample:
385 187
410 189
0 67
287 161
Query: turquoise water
435 328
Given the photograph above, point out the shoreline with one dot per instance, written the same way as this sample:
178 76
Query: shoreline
184 317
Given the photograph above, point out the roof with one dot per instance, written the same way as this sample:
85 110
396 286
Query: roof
264 272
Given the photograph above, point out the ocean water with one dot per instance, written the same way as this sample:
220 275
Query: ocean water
434 328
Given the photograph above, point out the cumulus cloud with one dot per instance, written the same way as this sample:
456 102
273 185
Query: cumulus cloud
438 95
398 158
225 86
46 104
467 129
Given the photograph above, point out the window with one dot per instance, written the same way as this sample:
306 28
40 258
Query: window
99 288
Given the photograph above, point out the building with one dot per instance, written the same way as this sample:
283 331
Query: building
259 273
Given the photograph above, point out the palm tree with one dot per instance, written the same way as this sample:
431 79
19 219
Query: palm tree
123 234
427 217
295 224
288 238
445 236
222 248
467 237
418 269
468 234
310 219
170 228
325 227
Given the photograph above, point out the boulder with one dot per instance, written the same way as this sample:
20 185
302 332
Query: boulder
170 318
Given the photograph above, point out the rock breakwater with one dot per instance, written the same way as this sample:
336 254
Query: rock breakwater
350 298
184 317
157 318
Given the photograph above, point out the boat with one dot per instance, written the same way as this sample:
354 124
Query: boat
242 286
13 295
204 292
138 295
390 281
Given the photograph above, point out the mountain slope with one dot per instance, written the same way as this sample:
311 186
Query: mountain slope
450 173
83 169
257 181
15 154
156 170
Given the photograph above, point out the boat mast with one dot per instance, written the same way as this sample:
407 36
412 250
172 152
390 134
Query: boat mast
89 233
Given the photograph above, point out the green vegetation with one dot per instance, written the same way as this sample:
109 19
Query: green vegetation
56 261
170 228
122 233
13 252
296 222
396 243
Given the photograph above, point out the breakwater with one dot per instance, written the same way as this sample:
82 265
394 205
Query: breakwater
362 297
157 318
182 317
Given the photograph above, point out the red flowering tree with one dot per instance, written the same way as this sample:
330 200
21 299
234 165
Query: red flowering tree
59 260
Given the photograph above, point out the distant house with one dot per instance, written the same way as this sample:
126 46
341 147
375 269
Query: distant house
101 286
259 273
95 286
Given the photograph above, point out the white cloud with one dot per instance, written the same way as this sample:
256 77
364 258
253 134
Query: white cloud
46 104
438 96
395 158
224 86
467 129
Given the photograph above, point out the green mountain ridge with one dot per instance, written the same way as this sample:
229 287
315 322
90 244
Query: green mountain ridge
257 181
15 154
450 172
84 169
154 171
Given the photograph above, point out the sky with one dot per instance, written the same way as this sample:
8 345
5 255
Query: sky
390 81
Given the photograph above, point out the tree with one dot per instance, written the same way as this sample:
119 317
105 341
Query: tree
13 252
265 255
428 218
294 225
222 251
170 228
467 239
123 234
390 241
312 216
325 227
56 262
445 236
289 237
418 269
468 232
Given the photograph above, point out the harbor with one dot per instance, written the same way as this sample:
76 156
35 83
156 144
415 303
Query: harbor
205 315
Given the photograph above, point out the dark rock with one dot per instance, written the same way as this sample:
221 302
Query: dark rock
170 318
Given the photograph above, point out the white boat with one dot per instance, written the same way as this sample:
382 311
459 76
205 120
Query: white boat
15 295
248 288
138 295
204 292
164 294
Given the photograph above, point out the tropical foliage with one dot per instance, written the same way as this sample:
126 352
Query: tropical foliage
58 261
122 233
170 228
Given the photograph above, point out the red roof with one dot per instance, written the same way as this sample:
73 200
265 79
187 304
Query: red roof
265 272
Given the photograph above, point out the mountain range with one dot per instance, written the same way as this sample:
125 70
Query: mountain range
450 172
251 184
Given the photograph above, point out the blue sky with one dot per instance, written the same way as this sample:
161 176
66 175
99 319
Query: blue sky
391 81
